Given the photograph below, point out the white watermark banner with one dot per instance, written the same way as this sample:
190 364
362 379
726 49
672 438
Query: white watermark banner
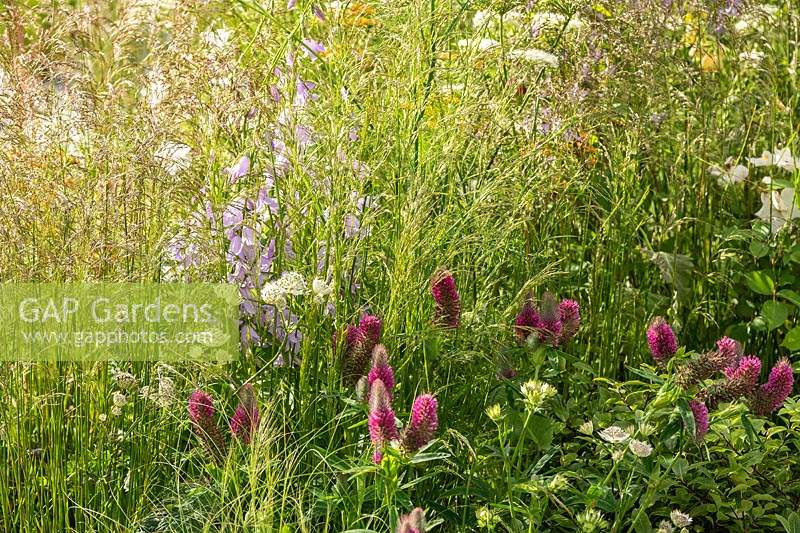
131 321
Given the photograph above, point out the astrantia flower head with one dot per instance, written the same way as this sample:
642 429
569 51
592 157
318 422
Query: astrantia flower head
661 340
680 519
640 448
274 293
413 522
423 423
771 395
700 413
614 434
535 393
293 283
448 303
591 520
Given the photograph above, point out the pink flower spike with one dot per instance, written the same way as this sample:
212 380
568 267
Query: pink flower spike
423 424
700 412
448 303
661 340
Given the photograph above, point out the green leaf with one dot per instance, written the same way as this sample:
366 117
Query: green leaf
761 282
790 523
687 416
792 340
775 314
790 295
758 249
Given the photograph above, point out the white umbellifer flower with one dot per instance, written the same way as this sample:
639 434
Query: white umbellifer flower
778 208
273 293
125 380
166 391
321 290
482 18
293 283
480 45
730 174
119 399
640 448
174 157
587 428
614 434
680 519
218 38
555 21
536 56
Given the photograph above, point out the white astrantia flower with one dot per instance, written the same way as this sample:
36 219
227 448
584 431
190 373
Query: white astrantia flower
174 157
125 380
480 45
664 527
536 392
729 174
778 208
293 283
680 519
640 448
321 290
274 294
614 434
534 55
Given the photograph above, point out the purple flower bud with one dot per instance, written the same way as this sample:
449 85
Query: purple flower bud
448 304
247 416
730 348
371 326
423 424
700 412
201 406
201 413
661 340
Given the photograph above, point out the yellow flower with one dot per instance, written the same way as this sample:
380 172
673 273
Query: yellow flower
709 63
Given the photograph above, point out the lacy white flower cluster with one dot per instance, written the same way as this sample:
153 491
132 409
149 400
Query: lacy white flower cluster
617 435
277 293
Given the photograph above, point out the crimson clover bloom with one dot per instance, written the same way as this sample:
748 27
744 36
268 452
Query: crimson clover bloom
381 369
448 303
201 413
570 313
771 395
700 412
527 321
359 342
246 418
741 380
381 422
423 424
661 340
